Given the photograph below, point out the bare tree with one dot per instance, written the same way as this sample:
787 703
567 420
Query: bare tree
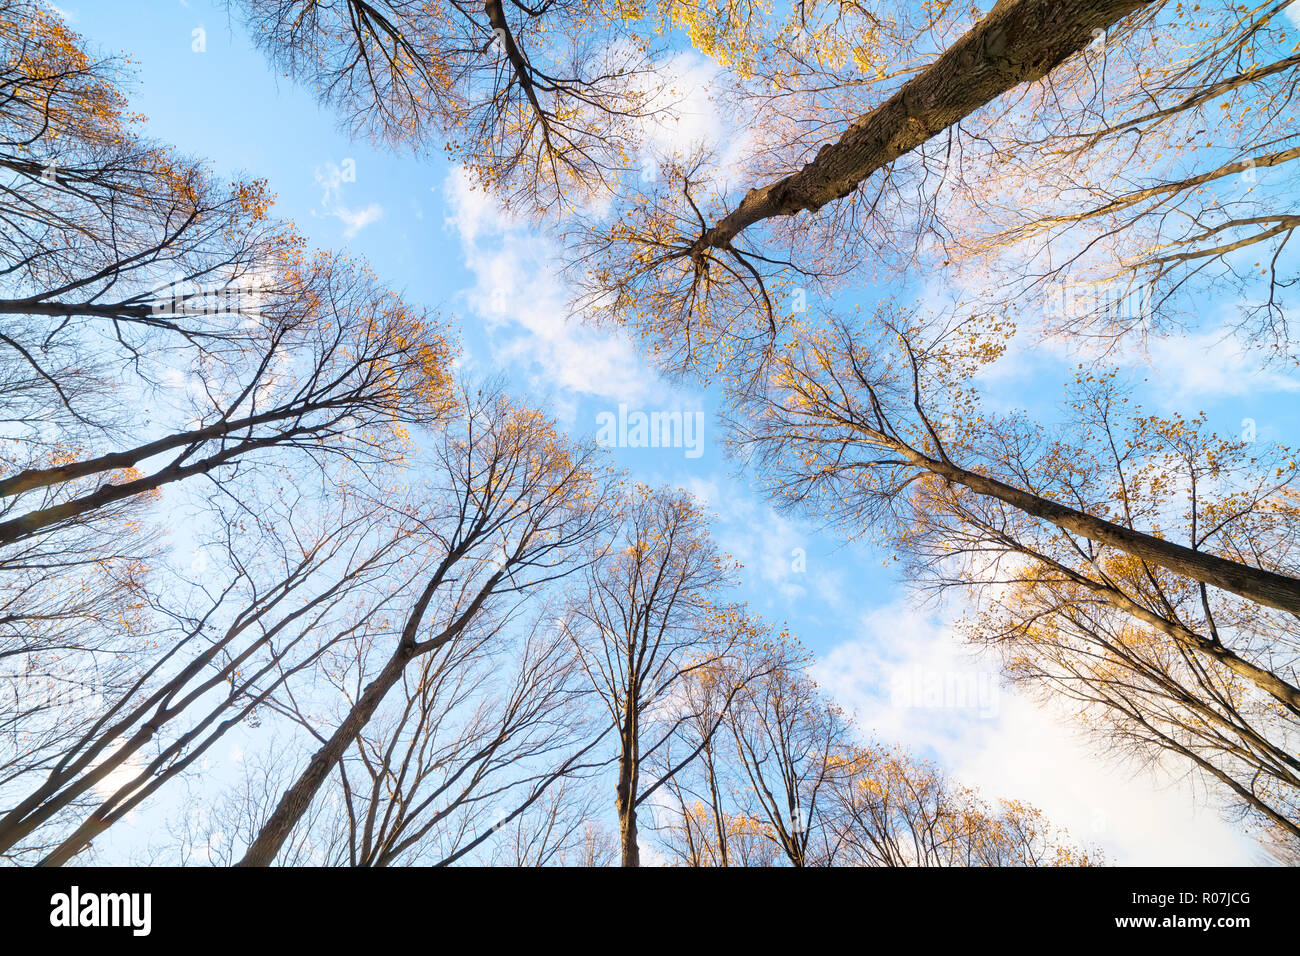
542 101
891 810
488 733
760 779
646 617
511 506
285 584
785 737
557 831
1074 539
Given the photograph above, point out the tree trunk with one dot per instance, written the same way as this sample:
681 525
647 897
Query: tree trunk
33 478
293 804
719 819
298 798
627 835
47 801
1256 584
628 772
33 522
1017 42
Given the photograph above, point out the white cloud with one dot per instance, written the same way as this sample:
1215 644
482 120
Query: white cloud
330 178
1008 746
68 16
1213 364
705 490
354 220
519 291
768 545
695 118
1184 367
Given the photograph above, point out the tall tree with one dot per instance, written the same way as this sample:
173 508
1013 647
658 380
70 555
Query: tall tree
541 101
645 617
510 507
1145 568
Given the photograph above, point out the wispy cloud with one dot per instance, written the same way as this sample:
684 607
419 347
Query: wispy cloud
68 16
330 178
518 290
1214 364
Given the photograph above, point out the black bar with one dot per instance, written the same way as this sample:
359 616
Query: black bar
338 907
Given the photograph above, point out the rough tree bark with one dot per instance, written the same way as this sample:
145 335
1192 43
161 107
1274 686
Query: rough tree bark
1017 42
1256 584
628 776
295 801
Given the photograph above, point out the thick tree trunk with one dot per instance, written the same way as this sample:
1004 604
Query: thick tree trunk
33 522
627 835
1019 41
628 774
1255 584
33 478
293 804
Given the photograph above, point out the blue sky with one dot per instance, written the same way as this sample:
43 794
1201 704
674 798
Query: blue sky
429 236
